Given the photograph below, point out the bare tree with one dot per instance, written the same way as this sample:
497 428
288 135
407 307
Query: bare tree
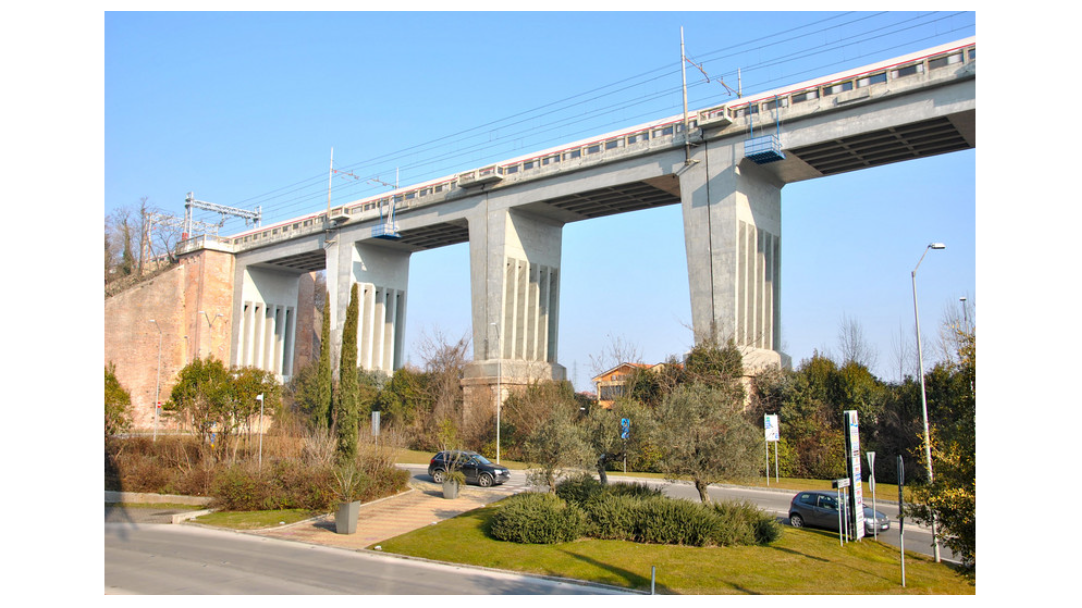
905 352
618 351
444 365
958 321
121 228
853 344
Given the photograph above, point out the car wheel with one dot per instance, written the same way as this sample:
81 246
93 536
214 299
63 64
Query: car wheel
437 476
796 520
485 480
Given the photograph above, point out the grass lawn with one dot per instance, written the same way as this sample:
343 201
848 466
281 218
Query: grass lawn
800 562
254 520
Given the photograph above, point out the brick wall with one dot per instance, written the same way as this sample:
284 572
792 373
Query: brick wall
186 302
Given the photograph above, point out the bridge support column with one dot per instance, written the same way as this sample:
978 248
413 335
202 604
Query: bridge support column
267 314
382 276
732 228
515 284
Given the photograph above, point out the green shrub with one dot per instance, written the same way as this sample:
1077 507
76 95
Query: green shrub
579 489
636 490
742 523
611 517
536 518
671 521
642 513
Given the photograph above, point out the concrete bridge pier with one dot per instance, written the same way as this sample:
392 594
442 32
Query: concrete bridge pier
381 272
515 291
267 315
732 227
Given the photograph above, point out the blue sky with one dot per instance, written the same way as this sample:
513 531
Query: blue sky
244 108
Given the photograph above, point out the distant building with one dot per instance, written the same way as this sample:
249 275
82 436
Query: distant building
611 384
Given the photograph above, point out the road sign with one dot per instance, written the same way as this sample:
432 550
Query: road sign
770 426
852 466
625 428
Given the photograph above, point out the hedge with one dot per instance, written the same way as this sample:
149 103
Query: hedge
632 512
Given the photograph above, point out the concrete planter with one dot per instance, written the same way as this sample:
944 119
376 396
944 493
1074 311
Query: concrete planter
450 489
345 521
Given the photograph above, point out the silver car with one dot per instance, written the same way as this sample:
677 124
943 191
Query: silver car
820 509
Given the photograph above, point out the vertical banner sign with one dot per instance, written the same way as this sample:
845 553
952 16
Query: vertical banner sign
770 429
375 423
770 423
852 467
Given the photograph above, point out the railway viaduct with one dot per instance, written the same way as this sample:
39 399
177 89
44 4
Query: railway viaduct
727 182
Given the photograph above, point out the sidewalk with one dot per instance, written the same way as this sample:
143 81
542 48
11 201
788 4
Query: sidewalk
422 505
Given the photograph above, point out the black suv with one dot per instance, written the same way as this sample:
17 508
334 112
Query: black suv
475 467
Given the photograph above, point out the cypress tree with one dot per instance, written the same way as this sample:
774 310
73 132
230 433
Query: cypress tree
347 415
322 413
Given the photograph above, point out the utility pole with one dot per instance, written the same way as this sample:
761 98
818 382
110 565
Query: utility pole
330 179
684 78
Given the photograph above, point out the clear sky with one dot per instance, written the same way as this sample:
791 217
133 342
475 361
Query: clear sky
243 109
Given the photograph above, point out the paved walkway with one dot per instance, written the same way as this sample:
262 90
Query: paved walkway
422 505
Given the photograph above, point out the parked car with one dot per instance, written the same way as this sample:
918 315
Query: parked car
475 467
820 509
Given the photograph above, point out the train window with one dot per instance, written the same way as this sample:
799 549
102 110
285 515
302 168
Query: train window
806 96
439 188
748 109
410 195
594 149
940 62
631 139
838 88
511 169
573 154
613 143
908 70
972 53
873 79
774 103
663 132
550 160
526 166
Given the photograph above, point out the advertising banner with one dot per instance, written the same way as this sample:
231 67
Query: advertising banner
852 467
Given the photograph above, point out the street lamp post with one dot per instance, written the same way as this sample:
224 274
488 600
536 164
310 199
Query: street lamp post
259 398
158 386
923 394
499 388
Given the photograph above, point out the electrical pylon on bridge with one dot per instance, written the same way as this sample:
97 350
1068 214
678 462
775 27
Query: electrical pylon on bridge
190 202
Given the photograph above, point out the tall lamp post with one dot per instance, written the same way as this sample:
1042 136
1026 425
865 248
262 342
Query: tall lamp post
923 394
158 387
499 388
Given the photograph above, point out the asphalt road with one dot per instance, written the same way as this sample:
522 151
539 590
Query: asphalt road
145 555
190 560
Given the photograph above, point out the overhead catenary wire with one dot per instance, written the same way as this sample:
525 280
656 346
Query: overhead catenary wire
543 125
